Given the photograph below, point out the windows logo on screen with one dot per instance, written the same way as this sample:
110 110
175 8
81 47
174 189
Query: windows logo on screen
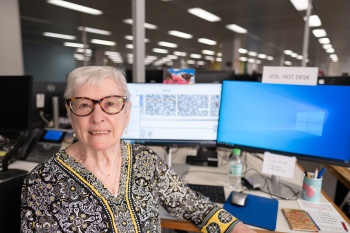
310 122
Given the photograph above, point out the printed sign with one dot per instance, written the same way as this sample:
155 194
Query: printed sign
290 75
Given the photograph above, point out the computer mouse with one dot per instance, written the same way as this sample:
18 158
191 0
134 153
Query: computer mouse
238 198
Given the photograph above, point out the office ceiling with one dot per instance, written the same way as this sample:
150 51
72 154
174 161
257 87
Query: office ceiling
273 26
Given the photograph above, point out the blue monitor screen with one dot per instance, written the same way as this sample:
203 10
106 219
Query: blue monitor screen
310 121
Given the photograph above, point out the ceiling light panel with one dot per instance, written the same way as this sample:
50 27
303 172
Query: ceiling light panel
207 41
236 28
180 34
75 45
324 40
103 42
157 50
300 5
167 44
95 30
319 32
60 36
76 7
314 21
204 14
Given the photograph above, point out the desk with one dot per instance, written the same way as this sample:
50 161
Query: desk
213 175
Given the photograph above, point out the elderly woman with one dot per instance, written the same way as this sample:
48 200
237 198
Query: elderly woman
102 184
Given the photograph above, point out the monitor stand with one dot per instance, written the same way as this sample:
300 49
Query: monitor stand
274 187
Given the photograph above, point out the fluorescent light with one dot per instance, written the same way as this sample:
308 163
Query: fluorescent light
207 41
324 40
172 56
94 30
300 5
270 58
236 28
181 54
167 44
75 45
288 63
208 52
262 56
243 59
288 52
197 56
333 56
253 54
319 32
314 21
103 42
75 7
129 46
180 34
218 59
241 50
204 14
157 50
61 36
330 50
327 46
191 62
200 63
146 25
210 58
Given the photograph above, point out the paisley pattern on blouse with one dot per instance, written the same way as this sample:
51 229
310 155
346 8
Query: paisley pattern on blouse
62 196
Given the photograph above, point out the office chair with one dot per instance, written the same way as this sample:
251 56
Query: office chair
10 203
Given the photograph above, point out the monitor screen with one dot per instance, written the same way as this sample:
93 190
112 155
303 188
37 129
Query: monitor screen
16 105
311 122
174 114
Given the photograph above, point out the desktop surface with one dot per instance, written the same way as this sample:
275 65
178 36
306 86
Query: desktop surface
218 176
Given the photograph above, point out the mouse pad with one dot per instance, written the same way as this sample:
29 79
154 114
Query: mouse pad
257 211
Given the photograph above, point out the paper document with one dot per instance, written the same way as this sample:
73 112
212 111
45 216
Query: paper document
325 216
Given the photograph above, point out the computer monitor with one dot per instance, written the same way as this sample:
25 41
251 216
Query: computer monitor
45 95
309 122
15 118
174 114
16 105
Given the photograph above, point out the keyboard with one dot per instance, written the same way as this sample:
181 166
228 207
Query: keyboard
215 193
42 152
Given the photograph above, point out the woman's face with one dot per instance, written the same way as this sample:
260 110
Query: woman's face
99 130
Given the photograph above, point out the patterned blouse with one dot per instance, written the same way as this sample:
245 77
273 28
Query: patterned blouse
61 195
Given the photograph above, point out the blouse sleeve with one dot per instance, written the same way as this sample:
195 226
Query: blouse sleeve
35 199
183 203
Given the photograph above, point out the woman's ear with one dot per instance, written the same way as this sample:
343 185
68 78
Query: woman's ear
127 113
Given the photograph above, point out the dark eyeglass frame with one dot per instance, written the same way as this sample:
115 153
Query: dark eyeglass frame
69 101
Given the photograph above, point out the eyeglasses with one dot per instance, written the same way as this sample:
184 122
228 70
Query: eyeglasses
83 106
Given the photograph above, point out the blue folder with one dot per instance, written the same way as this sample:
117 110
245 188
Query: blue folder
257 211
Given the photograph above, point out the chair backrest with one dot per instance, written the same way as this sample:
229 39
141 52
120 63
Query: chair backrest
10 204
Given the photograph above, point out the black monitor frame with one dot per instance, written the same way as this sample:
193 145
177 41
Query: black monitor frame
16 104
